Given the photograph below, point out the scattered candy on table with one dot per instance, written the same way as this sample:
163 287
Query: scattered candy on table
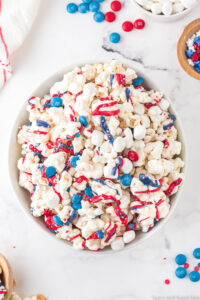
180 259
110 16
193 51
181 272
196 253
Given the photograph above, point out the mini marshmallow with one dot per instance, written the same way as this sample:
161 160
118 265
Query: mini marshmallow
119 144
127 166
128 236
139 132
97 138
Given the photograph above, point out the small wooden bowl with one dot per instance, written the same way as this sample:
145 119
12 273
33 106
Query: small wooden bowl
189 30
7 276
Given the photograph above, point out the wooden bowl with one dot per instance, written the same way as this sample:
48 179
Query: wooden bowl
7 276
189 30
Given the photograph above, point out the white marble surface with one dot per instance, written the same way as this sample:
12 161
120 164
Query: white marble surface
40 263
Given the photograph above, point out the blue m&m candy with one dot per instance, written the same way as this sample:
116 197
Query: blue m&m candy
57 220
76 201
126 179
72 8
94 6
99 0
194 276
136 82
73 161
50 171
83 121
83 8
88 192
114 37
196 253
180 259
87 1
56 101
180 272
99 17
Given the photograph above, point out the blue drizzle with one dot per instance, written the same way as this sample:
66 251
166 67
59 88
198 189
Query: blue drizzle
64 146
112 76
48 104
34 188
147 181
72 217
114 170
166 127
106 130
127 93
42 124
172 117
104 183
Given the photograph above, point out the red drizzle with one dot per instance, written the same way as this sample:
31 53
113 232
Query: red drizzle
172 186
98 112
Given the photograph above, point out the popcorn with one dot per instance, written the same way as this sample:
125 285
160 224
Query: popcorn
103 160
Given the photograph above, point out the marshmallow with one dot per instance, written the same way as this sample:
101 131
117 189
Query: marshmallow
97 138
139 132
119 144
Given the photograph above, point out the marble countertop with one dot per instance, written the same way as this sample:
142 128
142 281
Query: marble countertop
40 263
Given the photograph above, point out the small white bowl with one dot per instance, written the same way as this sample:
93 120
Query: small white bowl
164 18
23 196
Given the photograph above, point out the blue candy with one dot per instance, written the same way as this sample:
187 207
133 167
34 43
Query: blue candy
189 53
87 1
114 37
73 161
76 201
57 220
180 272
83 8
99 0
196 253
199 265
194 276
83 121
197 69
126 179
77 134
42 124
50 171
88 192
197 40
196 63
94 6
99 17
136 82
56 101
72 8
180 259
100 234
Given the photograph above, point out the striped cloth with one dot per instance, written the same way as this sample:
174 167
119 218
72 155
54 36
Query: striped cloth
16 18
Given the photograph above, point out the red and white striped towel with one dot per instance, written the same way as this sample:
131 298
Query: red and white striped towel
16 18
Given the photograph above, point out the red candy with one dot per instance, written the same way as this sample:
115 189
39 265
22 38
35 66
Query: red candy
110 16
127 26
133 156
167 281
139 24
116 5
186 265
196 269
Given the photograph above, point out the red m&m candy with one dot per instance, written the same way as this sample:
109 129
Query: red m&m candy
139 24
116 5
110 16
127 26
133 156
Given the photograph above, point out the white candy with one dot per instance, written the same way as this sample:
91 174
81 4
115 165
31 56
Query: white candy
128 236
117 244
97 138
139 132
167 8
119 144
127 166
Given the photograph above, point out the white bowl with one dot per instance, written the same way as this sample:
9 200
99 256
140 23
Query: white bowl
23 196
164 18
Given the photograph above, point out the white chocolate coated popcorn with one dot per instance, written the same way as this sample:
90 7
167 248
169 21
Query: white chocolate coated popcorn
100 157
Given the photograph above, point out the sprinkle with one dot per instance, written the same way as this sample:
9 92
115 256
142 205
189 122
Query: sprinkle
112 76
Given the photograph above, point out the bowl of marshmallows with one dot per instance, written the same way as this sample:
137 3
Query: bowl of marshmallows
166 10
